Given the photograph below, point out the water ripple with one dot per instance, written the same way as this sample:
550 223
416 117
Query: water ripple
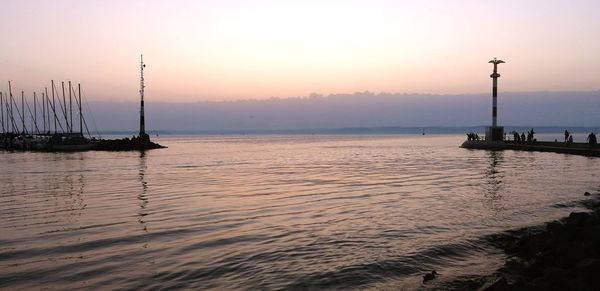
273 212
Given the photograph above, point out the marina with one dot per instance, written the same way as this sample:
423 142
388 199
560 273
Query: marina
53 129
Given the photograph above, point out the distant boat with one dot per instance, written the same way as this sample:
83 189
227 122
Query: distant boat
71 142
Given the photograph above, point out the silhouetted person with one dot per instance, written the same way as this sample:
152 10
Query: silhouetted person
530 135
567 135
570 140
592 139
516 136
522 136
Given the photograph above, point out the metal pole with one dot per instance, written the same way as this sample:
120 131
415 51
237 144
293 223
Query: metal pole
5 112
44 111
35 113
32 118
47 103
6 125
80 113
54 107
2 111
142 86
6 108
23 111
65 105
70 108
12 123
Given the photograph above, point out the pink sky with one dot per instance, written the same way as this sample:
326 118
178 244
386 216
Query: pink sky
225 50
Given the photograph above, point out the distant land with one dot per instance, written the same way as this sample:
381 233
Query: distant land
361 112
361 130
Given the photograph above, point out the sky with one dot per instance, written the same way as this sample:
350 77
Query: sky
231 50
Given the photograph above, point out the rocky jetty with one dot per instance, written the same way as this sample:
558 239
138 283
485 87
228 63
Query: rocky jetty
127 144
560 255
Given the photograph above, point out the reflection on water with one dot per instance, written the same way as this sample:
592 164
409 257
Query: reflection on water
268 212
142 197
494 177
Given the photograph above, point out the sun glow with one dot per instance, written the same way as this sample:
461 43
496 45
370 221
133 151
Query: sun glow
208 50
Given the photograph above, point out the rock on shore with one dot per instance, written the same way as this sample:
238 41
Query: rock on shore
127 144
561 255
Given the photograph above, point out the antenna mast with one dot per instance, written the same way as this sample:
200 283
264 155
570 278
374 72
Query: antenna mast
143 134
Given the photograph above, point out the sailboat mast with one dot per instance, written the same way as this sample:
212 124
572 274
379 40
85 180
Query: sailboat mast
2 112
35 113
70 108
64 106
54 107
6 124
80 113
9 121
44 111
23 111
47 108
142 86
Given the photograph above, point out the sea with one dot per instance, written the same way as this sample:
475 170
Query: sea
275 212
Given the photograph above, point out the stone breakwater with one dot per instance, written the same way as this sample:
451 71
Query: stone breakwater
126 144
560 255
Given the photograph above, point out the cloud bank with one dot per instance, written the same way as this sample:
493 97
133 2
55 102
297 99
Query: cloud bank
357 110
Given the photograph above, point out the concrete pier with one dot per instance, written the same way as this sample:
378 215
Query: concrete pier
495 139
583 149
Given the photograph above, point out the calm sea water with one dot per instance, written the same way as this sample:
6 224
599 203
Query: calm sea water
273 212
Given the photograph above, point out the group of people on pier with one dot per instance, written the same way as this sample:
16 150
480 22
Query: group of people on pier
519 138
522 138
472 136
591 138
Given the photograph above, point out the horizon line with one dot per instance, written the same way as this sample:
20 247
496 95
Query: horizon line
408 129
315 95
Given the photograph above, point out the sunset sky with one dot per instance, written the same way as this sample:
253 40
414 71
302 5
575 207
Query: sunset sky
228 50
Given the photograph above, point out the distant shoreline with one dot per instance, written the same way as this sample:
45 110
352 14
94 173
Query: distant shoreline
361 130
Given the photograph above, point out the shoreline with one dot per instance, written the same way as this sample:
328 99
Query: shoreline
559 255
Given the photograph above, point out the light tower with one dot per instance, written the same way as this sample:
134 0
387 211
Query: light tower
143 135
495 133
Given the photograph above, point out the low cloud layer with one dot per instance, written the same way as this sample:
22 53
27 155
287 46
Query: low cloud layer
355 110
